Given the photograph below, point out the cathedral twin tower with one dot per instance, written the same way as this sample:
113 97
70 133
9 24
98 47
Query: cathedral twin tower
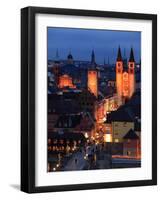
125 76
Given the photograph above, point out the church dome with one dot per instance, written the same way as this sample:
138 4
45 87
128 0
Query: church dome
70 56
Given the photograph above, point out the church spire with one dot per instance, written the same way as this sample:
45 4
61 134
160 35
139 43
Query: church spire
119 56
57 56
93 57
131 59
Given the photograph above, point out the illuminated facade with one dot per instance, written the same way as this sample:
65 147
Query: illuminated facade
66 81
119 129
93 82
99 111
131 144
125 79
93 76
118 123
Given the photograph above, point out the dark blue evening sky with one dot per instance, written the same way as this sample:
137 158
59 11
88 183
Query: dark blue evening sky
81 42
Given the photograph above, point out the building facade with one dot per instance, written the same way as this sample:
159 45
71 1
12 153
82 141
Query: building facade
125 76
93 77
66 81
131 144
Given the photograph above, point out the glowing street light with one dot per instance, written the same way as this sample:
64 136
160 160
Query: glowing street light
86 135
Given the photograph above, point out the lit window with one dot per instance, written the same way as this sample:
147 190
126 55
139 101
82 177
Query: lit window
116 140
49 141
61 141
49 148
53 148
55 141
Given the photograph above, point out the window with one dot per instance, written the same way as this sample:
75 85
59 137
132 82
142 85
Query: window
61 141
54 148
116 124
55 142
116 140
49 148
49 141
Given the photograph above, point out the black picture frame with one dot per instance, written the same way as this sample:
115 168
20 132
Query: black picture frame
28 98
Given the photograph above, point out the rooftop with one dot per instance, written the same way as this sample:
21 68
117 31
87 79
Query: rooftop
66 135
131 135
120 115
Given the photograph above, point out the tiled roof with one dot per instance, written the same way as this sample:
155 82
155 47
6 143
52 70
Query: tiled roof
86 124
120 115
68 121
131 135
60 104
66 135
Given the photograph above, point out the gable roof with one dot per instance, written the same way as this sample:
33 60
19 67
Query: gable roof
131 135
86 124
120 115
68 121
66 136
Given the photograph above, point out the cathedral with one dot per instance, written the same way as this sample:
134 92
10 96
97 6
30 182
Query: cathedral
125 76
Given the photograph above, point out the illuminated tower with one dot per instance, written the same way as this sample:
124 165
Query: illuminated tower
131 72
119 73
56 68
93 76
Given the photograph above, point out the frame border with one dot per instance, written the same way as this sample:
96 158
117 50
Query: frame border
28 98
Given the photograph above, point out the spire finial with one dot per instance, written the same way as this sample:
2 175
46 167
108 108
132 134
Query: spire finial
131 59
93 57
119 56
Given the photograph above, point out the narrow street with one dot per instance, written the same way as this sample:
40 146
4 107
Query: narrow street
91 159
77 162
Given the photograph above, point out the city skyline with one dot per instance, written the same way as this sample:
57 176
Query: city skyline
94 113
81 42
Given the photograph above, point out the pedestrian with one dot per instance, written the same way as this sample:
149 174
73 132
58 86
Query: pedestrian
75 160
